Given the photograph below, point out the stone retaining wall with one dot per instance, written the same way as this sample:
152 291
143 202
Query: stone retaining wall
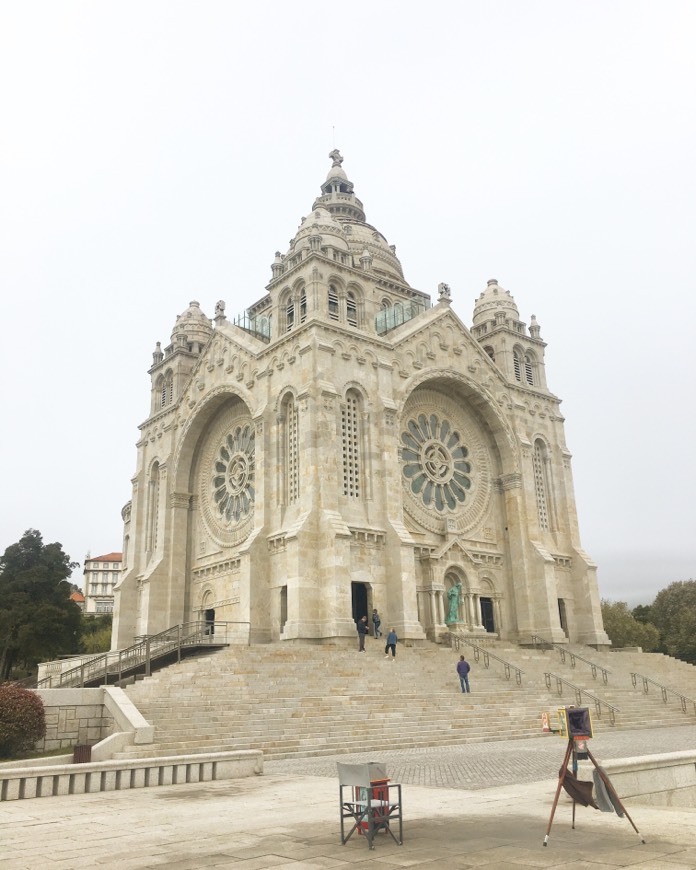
74 716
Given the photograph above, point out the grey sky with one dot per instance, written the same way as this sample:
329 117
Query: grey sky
152 153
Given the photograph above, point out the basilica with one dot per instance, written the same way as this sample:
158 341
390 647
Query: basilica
348 443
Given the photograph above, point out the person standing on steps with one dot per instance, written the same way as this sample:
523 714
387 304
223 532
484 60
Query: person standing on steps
463 668
392 640
376 622
362 631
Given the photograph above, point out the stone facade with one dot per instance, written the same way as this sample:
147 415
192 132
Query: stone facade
345 444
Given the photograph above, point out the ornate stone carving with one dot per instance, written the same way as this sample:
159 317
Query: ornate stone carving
445 464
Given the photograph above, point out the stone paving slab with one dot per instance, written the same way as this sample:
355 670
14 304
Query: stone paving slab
482 765
290 820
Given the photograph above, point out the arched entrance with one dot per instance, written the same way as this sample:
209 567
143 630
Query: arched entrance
209 619
358 594
487 614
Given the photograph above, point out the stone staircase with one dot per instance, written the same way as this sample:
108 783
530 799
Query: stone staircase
319 700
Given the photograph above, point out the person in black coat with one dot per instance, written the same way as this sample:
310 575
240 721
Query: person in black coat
362 631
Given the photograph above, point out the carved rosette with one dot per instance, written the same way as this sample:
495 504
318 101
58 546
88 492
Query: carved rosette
227 478
445 464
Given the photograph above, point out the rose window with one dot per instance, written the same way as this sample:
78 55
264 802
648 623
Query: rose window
233 475
435 462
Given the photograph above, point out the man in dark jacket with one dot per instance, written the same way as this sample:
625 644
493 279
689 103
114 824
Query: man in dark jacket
362 631
463 669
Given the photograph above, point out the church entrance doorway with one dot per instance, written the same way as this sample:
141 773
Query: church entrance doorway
283 607
487 620
359 600
209 617
563 617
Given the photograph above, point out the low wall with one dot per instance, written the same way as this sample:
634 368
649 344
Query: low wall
662 780
17 783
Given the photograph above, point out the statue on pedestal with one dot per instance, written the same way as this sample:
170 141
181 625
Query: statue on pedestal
454 595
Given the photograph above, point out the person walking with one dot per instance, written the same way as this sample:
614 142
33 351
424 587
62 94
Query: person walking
392 640
376 622
362 631
463 668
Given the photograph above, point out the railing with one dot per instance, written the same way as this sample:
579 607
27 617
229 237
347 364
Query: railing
579 693
573 656
258 326
480 652
144 652
390 318
665 690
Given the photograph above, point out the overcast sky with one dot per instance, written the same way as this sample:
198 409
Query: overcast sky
152 153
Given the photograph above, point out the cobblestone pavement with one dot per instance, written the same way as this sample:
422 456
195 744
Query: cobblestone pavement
484 765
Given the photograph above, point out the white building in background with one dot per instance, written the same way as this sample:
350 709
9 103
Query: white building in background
101 574
346 444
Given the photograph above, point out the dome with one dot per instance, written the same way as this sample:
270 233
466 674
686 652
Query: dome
320 222
494 299
362 237
193 324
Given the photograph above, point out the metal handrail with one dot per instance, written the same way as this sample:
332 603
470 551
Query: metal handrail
566 652
457 639
148 649
598 702
665 690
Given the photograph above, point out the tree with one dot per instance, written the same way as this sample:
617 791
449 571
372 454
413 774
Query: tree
642 613
95 633
624 630
38 621
674 613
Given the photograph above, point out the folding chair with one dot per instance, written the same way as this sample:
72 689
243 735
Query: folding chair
372 803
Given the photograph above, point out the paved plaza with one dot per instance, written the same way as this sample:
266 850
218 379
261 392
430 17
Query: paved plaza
470 806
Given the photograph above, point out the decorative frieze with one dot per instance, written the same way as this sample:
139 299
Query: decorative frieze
277 544
207 572
367 537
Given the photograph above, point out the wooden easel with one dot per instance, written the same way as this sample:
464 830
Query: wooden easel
571 752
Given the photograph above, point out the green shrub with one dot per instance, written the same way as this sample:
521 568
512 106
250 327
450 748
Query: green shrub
22 720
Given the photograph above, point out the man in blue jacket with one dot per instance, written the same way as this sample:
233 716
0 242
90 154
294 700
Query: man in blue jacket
463 669
392 640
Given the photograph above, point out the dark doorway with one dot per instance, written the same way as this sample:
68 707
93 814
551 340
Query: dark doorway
209 617
283 606
562 616
359 600
487 620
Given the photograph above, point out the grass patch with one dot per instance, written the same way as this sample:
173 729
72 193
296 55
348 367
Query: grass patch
39 753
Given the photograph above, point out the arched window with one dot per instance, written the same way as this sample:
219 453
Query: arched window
289 314
351 309
517 364
489 350
303 305
541 489
291 450
165 389
350 441
153 496
530 369
333 302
